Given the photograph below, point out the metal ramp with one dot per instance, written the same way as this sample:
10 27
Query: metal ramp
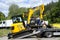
33 33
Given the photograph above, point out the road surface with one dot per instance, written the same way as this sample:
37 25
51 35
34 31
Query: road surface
54 38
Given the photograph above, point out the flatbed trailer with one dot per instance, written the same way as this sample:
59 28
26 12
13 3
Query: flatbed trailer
48 32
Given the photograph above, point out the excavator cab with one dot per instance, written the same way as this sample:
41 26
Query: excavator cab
18 24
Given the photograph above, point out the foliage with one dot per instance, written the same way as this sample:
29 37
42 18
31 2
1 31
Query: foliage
52 12
15 10
2 16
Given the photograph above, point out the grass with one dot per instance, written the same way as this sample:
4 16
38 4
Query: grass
4 32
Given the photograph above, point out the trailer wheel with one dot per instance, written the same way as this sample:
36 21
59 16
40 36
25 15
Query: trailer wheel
48 34
10 36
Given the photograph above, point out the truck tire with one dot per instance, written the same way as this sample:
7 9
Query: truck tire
48 34
10 36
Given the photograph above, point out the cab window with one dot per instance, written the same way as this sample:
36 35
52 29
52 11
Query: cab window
17 19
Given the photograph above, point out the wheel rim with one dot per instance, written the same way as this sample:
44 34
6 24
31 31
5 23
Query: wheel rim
49 35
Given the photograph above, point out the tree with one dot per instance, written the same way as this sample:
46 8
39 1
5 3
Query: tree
13 10
2 16
22 10
52 12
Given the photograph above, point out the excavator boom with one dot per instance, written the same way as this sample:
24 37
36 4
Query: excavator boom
31 12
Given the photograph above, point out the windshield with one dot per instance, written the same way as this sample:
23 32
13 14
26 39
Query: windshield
16 19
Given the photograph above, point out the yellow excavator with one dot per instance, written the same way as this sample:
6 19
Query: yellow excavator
18 26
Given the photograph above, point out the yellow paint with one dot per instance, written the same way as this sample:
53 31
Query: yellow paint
56 25
30 14
18 27
41 11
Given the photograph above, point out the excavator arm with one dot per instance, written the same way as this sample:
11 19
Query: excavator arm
31 12
41 11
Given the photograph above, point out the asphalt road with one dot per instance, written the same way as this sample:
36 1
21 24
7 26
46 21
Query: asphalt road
54 38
